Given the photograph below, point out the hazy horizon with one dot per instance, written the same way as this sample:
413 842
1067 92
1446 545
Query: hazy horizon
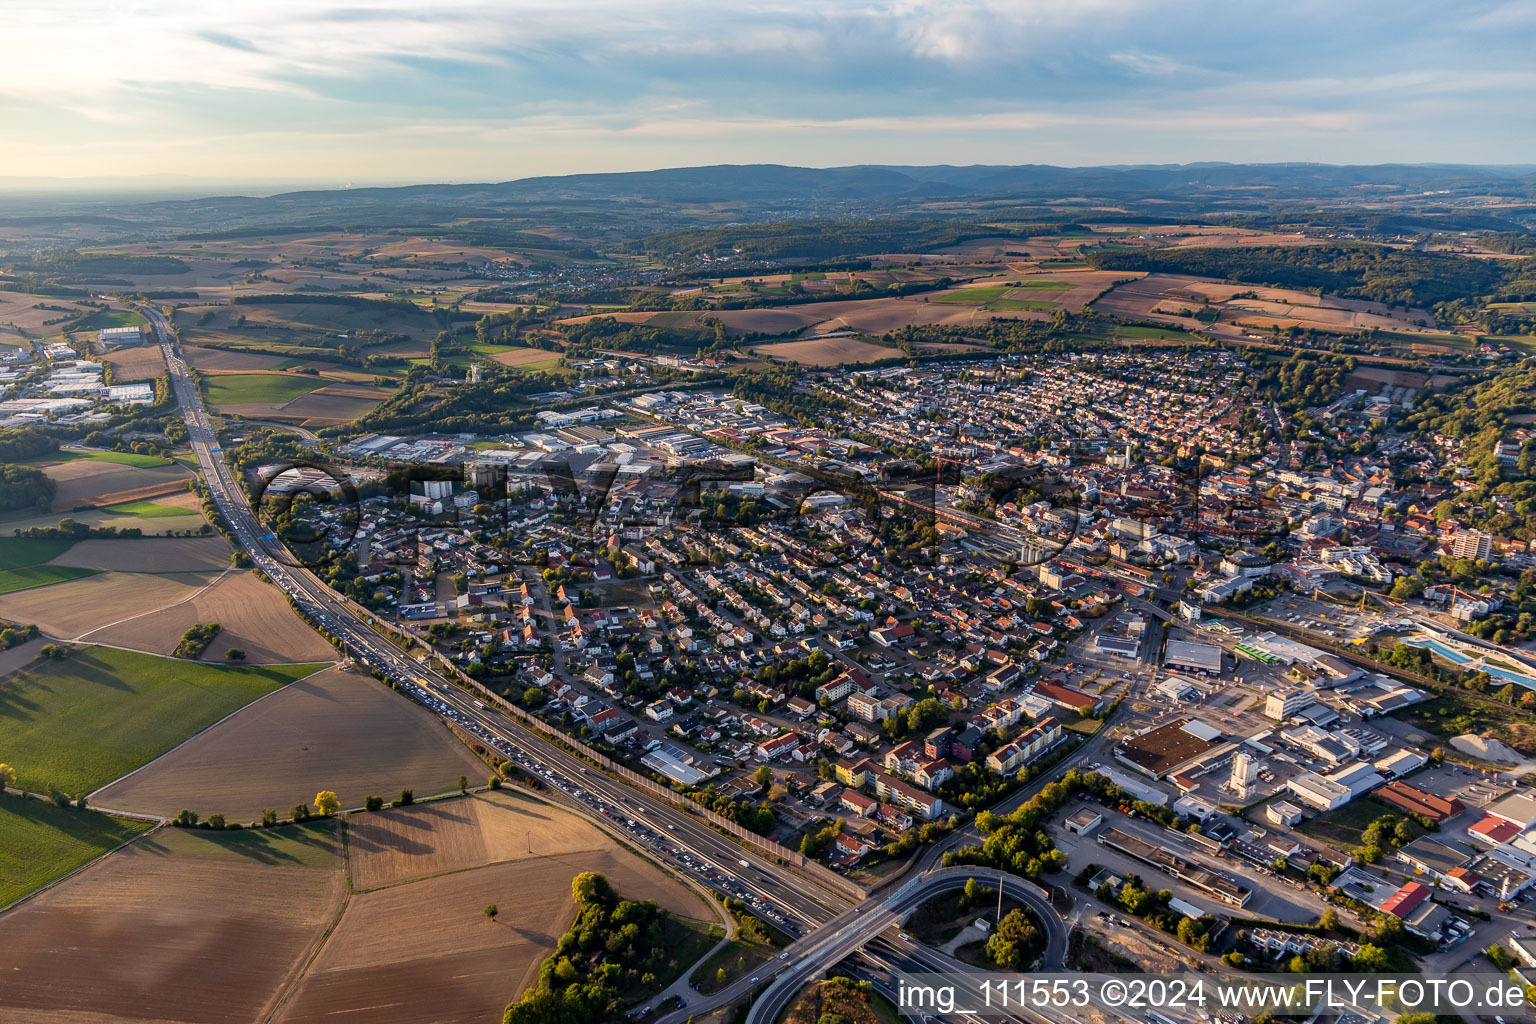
477 91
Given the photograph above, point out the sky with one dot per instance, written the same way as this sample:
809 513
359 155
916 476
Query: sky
474 90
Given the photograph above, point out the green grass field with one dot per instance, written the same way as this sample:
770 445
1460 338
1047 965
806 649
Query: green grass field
270 388
119 458
22 568
79 723
147 510
103 318
16 552
28 576
984 294
1013 305
1135 333
39 841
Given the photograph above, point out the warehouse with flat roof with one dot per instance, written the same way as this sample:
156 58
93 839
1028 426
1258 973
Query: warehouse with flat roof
1188 656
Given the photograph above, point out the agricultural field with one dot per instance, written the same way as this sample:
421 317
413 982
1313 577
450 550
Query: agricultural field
1234 309
256 618
828 351
22 316
90 481
303 398
75 608
313 326
453 966
203 358
236 389
24 564
39 841
136 363
340 730
181 926
147 554
519 358
81 722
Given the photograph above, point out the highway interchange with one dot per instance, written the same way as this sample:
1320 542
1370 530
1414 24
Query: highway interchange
826 927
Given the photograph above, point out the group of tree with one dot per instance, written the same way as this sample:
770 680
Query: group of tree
615 946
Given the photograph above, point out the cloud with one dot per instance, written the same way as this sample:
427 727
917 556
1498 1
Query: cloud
994 76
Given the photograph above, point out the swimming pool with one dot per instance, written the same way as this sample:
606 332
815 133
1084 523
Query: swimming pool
1448 653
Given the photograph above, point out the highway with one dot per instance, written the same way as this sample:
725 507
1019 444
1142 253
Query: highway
783 897
823 924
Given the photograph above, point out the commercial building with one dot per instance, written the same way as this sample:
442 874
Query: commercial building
1169 748
1416 801
1225 889
1326 792
1282 704
1187 656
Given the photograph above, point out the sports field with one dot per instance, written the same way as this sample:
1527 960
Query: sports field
79 723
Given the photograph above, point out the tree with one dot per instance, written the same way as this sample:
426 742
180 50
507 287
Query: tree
1371 959
763 775
327 804
216 822
491 912
971 895
463 784
185 818
234 654
1329 921
268 818
494 782
300 813
372 803
1500 957
405 799
591 887
1003 952
7 776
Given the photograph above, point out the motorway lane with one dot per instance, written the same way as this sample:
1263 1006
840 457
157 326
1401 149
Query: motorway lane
861 925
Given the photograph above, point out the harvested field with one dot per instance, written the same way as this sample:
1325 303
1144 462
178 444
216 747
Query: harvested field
340 730
142 362
1167 298
255 616
414 842
21 309
204 358
83 481
39 841
168 488
69 610
336 403
149 554
82 722
182 926
453 965
531 357
828 351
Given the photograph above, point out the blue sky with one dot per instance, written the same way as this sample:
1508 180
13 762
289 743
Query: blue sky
471 90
